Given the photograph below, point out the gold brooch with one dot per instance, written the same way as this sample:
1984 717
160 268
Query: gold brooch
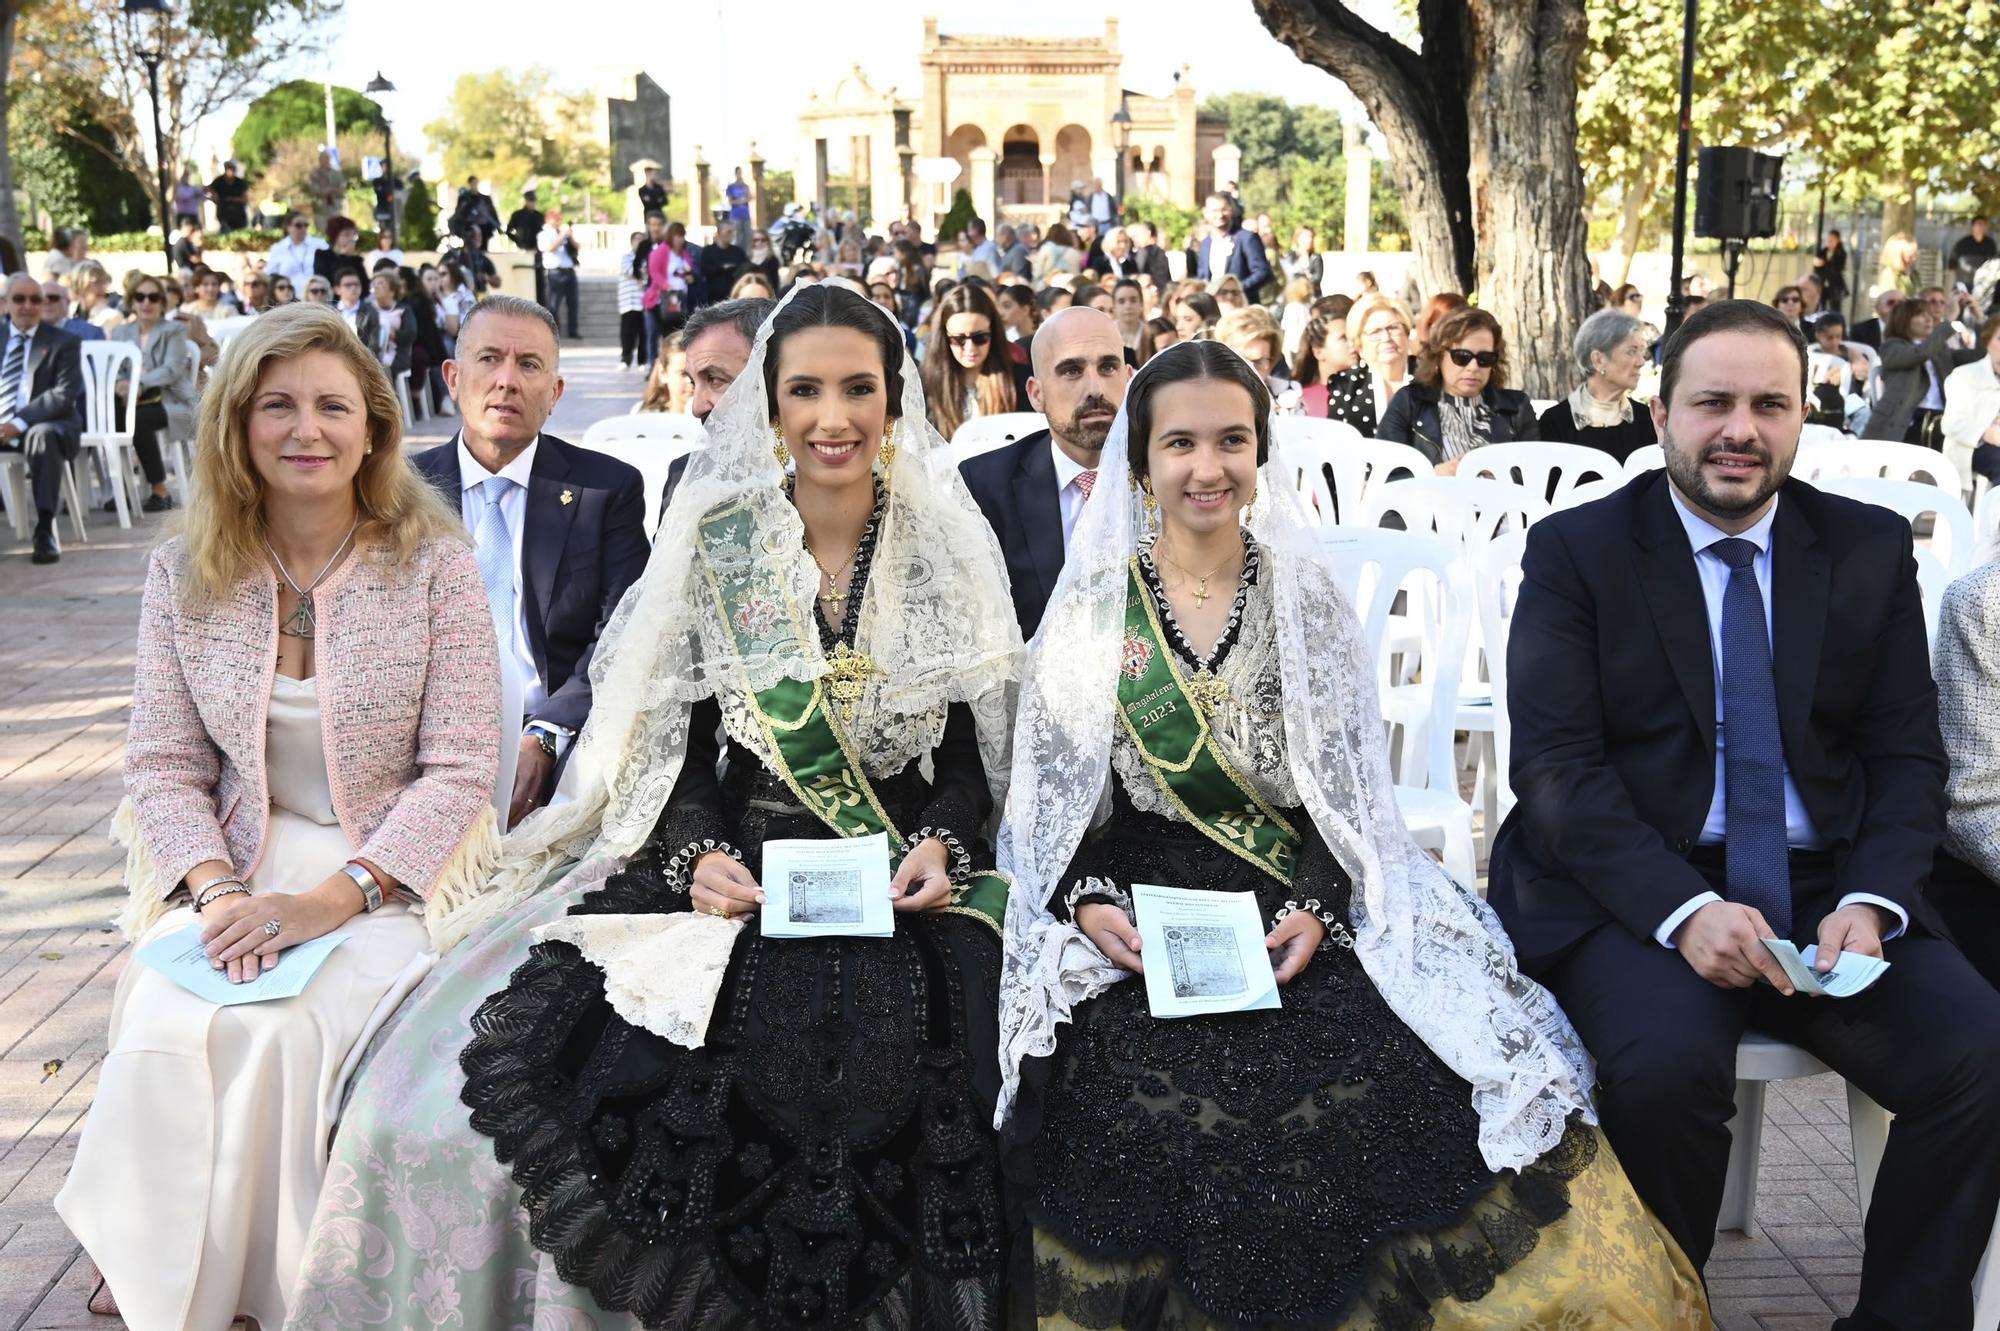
568 497
847 673
1207 691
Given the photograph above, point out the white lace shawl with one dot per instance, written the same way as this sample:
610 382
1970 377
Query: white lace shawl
1433 949
936 620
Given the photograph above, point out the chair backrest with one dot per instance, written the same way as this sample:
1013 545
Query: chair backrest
1335 469
650 441
1463 511
1952 530
103 364
1373 565
1817 436
1885 458
983 434
1543 466
224 329
1541 404
1819 362
1589 491
1646 457
1496 588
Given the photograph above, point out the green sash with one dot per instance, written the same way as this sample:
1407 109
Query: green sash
810 747
1167 717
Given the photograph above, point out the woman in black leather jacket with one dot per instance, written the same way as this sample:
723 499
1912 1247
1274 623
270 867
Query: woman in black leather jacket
1458 400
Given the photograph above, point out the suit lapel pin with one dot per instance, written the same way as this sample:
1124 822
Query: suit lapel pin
568 497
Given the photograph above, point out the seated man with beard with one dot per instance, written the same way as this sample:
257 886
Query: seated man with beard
1032 490
716 342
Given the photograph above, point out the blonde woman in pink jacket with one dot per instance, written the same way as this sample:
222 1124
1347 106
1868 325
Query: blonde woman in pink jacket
314 741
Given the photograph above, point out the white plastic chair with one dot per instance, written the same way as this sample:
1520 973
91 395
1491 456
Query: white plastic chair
1541 404
1590 491
1496 588
1645 458
1951 527
1373 565
103 363
984 434
1464 511
224 329
1818 363
1761 1059
15 492
1541 466
1886 458
1337 467
652 441
176 452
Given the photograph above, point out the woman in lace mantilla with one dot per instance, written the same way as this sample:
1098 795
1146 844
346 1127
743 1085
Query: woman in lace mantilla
1319 1165
688 1125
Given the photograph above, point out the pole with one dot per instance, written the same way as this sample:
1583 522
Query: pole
330 142
1676 302
160 159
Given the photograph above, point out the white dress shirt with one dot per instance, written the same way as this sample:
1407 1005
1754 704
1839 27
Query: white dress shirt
352 313
293 259
1799 831
1067 493
514 643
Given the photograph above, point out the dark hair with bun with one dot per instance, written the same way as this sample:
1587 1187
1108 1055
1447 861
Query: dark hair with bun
1186 362
825 305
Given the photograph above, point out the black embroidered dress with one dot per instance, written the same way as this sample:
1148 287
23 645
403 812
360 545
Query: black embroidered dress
1314 1166
826 1158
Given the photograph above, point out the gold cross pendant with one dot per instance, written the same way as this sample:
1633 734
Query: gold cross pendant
1201 594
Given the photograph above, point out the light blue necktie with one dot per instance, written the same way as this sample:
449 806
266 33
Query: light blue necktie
10 374
495 547
1758 868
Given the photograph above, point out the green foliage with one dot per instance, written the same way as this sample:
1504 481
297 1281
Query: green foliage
247 239
64 178
1271 131
953 224
507 127
1172 223
420 215
297 110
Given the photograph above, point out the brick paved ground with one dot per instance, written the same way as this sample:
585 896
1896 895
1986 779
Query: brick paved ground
66 640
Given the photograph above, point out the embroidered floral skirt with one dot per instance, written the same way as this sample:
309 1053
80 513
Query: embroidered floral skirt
1314 1166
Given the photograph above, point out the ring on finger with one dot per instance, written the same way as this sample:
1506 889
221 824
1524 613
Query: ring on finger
272 928
720 912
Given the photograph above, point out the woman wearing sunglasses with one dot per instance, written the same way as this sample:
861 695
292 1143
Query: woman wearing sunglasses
1458 400
967 370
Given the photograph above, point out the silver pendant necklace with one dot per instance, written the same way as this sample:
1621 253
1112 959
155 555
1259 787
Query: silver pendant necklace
303 621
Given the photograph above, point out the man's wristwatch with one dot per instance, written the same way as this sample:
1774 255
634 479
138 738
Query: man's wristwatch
546 738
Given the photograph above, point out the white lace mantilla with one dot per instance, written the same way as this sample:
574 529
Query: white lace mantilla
1432 948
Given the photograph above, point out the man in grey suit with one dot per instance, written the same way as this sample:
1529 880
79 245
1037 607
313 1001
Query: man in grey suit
41 403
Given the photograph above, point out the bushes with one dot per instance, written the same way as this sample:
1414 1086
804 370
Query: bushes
953 225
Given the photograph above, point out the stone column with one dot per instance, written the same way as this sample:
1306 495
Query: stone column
760 212
906 175
1228 160
985 163
819 174
1360 179
698 200
1050 193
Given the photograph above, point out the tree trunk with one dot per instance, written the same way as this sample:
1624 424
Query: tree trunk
1403 96
1527 186
1482 146
1639 192
10 223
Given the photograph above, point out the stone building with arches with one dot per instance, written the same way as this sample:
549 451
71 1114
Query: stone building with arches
1016 122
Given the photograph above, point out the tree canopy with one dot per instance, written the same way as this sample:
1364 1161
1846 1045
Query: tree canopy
506 126
297 110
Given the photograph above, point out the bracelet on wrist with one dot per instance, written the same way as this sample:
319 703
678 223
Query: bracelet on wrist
220 888
364 878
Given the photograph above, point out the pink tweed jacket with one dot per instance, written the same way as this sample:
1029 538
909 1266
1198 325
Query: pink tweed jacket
409 692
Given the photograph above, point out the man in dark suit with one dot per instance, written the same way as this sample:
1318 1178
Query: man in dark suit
1152 259
1229 250
41 403
1032 490
559 530
1869 331
1652 850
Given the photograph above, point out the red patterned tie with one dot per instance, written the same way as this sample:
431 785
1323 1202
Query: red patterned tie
1084 480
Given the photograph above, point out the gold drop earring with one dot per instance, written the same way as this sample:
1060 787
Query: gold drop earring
1149 503
778 449
888 454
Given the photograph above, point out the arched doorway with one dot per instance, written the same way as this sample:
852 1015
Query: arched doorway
1021 180
1072 168
960 145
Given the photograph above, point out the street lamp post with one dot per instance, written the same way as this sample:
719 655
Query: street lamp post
1122 118
377 86
1676 300
152 54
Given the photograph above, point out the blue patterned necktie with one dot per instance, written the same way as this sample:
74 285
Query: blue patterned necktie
495 547
1758 872
10 374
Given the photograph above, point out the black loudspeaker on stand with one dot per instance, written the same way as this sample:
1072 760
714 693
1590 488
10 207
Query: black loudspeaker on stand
1737 200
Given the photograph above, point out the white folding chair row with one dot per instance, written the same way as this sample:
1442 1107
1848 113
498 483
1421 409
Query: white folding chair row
984 434
1336 468
1463 511
16 491
651 441
1543 467
1953 538
224 329
104 363
1645 458
1373 565
1496 589
176 452
1842 455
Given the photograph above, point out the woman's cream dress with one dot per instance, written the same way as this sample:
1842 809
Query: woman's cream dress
201 1162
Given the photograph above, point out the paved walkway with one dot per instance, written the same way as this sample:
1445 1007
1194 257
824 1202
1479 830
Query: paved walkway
66 657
